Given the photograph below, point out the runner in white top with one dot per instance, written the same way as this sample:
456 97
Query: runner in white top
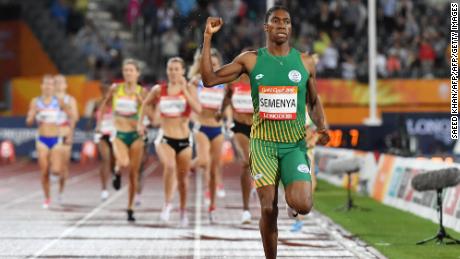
67 124
208 131
44 110
104 139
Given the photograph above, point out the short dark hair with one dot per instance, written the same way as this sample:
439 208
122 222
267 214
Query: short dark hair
275 8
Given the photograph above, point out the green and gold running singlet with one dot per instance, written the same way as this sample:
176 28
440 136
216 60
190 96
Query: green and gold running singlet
278 91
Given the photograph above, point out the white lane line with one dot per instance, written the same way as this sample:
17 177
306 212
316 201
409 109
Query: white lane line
71 181
197 232
82 221
12 179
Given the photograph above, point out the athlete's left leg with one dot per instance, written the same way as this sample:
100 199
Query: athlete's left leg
135 152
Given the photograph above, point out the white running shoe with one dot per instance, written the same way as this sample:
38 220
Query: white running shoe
207 198
212 215
60 199
292 214
104 195
46 203
221 191
166 212
184 219
137 200
246 217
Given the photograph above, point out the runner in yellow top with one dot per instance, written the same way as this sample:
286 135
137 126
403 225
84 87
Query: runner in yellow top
128 146
283 80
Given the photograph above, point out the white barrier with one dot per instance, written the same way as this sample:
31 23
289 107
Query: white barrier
389 182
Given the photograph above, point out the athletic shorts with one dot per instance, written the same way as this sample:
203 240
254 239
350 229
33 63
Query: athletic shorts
271 162
127 137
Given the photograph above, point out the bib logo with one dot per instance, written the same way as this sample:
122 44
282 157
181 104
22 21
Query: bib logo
295 76
259 76
303 168
257 176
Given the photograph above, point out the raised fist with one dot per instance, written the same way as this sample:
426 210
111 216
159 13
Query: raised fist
213 25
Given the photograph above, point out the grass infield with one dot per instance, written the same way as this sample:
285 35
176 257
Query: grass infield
391 231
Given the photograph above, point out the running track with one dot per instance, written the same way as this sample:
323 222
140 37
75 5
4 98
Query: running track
85 227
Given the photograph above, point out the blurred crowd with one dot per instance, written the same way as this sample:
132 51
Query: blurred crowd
104 55
412 35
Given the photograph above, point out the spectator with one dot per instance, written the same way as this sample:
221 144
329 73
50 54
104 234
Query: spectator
427 56
393 63
165 17
330 61
349 68
381 63
333 29
60 11
170 41
132 12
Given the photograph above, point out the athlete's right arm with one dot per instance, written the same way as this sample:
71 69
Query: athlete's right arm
31 113
226 73
152 95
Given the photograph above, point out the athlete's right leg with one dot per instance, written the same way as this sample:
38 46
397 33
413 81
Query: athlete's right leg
43 162
136 151
202 162
242 144
105 169
166 154
268 197
121 152
265 172
216 167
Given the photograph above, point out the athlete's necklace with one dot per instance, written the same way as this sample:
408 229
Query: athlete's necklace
279 60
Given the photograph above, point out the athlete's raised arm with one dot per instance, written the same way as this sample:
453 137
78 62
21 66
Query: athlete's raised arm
228 72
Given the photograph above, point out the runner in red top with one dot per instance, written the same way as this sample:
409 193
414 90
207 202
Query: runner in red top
238 95
175 100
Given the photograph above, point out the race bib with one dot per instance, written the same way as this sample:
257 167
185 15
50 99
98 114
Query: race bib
63 118
172 106
211 98
126 106
242 101
48 116
107 125
278 102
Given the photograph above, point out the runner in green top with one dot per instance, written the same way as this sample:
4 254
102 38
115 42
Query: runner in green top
283 80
